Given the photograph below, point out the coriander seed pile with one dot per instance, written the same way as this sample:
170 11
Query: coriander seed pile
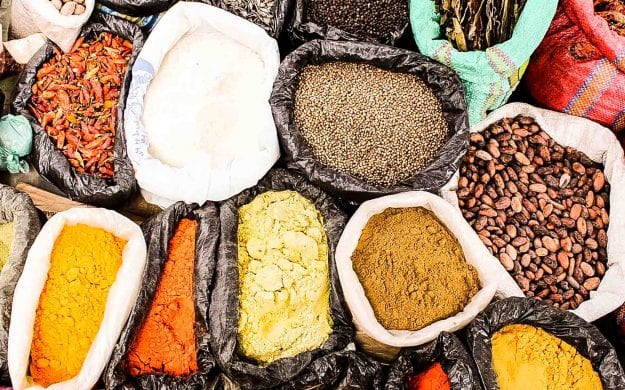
368 18
380 126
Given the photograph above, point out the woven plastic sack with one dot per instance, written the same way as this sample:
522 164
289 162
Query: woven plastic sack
489 271
489 76
32 16
585 337
16 141
601 146
120 300
15 207
579 68
447 350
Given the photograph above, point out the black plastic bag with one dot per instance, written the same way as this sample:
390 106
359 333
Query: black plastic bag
280 12
300 30
565 325
48 160
138 7
15 207
299 155
224 309
158 231
447 350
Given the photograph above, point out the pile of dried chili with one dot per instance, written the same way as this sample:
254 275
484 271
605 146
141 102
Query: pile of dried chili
75 100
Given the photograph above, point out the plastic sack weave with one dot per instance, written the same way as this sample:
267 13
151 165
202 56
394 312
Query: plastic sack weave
16 141
585 337
158 232
579 68
489 76
49 161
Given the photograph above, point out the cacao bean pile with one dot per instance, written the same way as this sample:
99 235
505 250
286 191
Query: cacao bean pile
75 100
364 18
69 7
379 126
540 207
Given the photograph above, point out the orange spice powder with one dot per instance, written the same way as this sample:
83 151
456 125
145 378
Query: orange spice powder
165 344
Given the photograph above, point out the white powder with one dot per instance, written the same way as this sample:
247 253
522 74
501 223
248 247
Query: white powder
206 99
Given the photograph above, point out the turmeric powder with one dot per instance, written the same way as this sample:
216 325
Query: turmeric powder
526 357
165 344
83 266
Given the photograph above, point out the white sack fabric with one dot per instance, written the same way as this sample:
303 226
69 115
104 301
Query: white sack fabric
198 123
488 269
600 145
32 16
121 296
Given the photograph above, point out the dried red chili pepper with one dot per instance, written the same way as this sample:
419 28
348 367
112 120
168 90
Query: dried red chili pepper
75 100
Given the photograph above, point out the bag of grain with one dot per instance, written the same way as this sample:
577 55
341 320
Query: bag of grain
59 20
411 268
276 306
363 120
19 225
80 281
197 121
545 193
166 340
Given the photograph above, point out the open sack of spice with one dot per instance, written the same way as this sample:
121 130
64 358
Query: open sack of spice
165 343
138 7
363 120
578 68
383 21
544 191
59 20
19 225
198 122
442 364
410 267
75 103
277 305
269 14
79 284
489 74
518 343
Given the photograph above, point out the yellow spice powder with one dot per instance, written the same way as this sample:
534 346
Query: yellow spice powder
6 240
283 276
526 357
83 266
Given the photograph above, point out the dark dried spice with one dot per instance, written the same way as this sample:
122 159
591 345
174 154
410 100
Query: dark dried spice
613 11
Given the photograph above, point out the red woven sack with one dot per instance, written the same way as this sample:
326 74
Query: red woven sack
579 68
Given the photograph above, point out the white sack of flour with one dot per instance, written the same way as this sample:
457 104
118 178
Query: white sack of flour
198 123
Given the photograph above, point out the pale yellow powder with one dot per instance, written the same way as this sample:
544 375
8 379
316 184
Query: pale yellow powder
528 358
6 240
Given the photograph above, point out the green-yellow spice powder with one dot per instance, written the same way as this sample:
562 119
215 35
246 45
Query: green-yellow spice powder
6 240
284 285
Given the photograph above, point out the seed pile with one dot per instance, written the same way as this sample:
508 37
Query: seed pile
260 12
613 11
69 7
379 126
412 269
541 208
75 100
364 18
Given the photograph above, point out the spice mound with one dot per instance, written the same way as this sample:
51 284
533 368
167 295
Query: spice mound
6 240
364 18
526 357
379 126
473 25
412 269
165 344
260 12
284 304
540 207
83 266
75 100
613 11
434 378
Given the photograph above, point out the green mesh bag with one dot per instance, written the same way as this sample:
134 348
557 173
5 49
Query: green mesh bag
16 141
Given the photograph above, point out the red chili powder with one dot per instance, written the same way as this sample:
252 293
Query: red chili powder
165 344
434 378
